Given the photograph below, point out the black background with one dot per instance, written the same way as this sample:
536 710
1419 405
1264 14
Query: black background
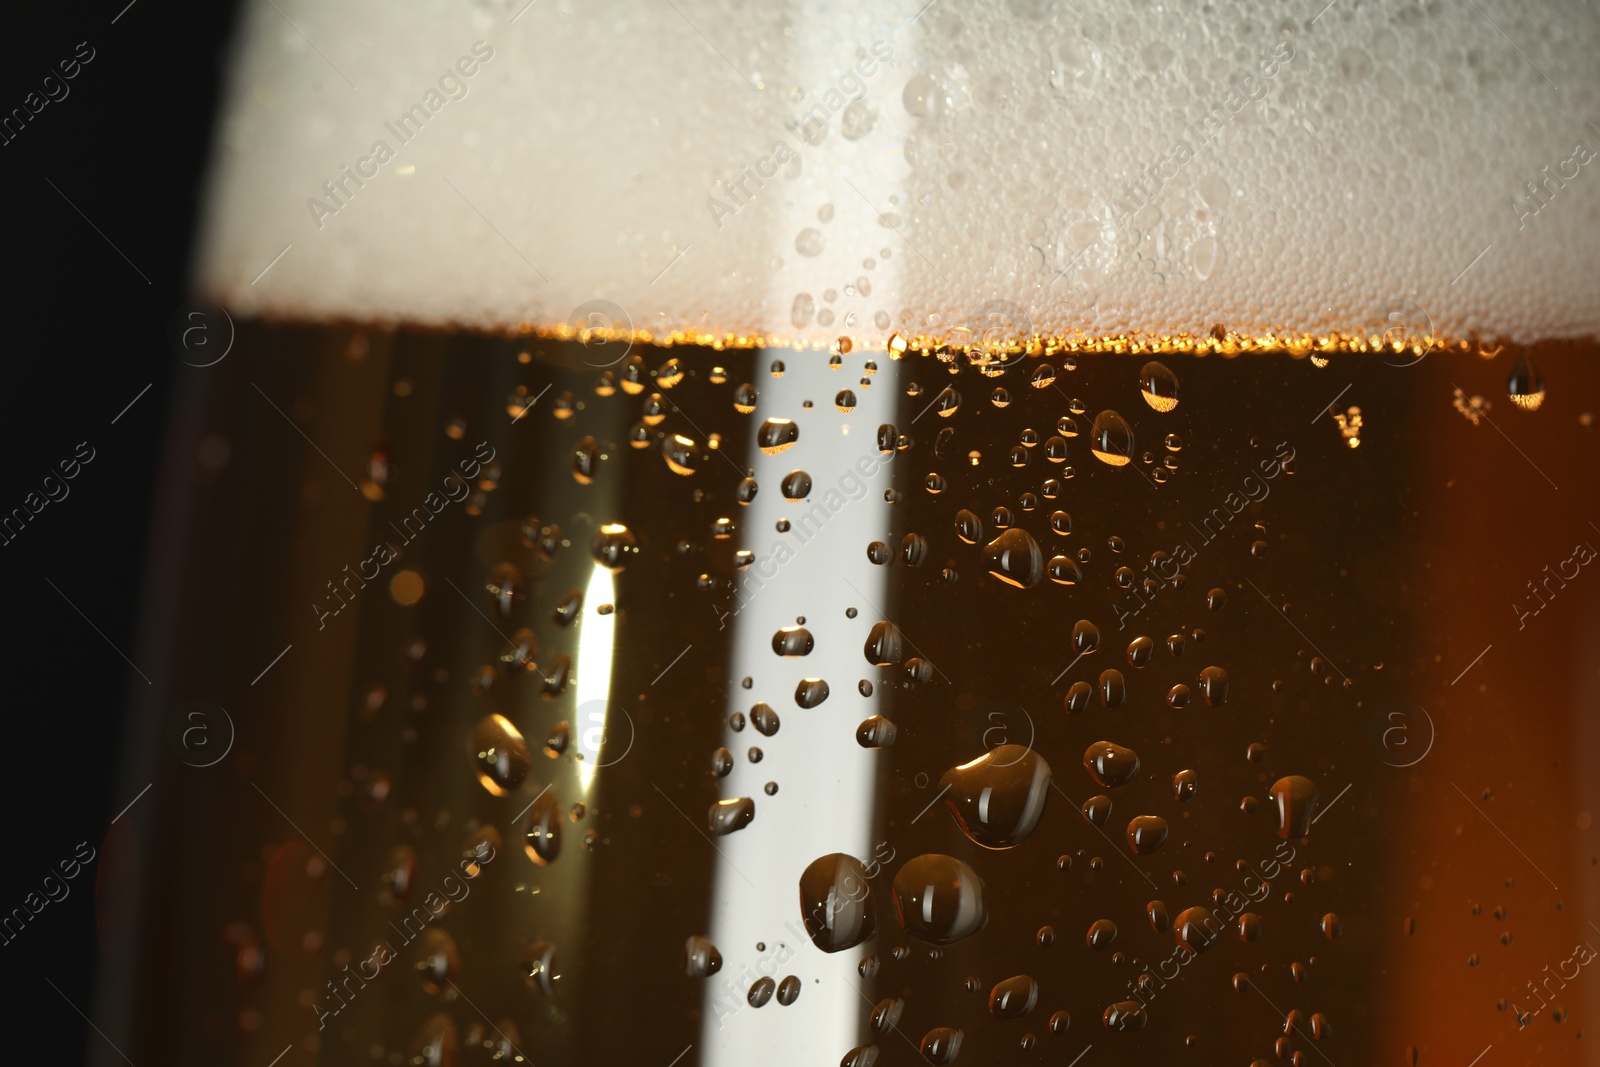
86 332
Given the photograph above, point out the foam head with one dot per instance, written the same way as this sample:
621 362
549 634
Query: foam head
798 173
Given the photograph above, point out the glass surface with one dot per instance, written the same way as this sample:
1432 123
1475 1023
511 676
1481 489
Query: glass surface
1369 579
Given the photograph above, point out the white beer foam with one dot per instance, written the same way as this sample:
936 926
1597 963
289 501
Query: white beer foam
1047 165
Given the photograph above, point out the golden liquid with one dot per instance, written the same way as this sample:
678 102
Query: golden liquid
1411 548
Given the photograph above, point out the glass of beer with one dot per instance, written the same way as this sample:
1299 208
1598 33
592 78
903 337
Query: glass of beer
705 534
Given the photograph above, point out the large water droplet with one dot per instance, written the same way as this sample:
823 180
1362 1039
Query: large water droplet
968 527
764 719
1085 636
1196 929
1146 833
541 836
1159 386
539 967
681 453
1110 765
1097 810
939 899
1125 1015
1014 558
1214 686
1102 932
875 732
1112 439
700 958
438 960
776 435
726 816
886 1013
613 546
1525 386
810 692
1294 799
836 902
793 641
1014 997
796 485
1113 688
585 460
501 754
1063 570
884 646
997 799
942 1044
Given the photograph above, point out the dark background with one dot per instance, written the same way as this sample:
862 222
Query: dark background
86 334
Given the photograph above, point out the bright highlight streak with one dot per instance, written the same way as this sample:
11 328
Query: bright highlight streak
596 639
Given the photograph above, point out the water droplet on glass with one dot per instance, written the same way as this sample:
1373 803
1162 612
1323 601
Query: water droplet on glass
541 835
761 991
613 546
539 967
1124 1015
1196 929
875 732
1159 386
764 719
1113 688
585 460
1085 636
682 455
1014 558
796 485
501 754
1110 765
1146 833
942 1044
1112 439
1014 997
700 958
726 816
793 641
998 798
776 435
810 692
836 902
1294 800
939 899
885 646
968 527
1525 386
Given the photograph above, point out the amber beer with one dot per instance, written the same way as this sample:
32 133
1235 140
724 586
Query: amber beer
949 609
